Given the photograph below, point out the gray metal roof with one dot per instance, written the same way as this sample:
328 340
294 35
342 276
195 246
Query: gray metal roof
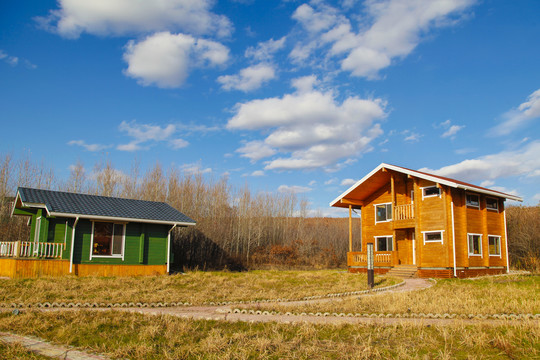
60 203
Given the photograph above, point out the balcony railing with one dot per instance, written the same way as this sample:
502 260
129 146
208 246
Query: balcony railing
404 212
28 249
381 258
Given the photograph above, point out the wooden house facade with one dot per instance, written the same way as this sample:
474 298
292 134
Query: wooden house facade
84 234
438 226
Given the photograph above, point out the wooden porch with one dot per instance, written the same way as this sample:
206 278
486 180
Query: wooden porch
29 249
381 258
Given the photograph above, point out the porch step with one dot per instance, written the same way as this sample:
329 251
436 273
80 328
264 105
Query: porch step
403 271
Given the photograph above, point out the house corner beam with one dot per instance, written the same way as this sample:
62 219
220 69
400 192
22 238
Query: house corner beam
350 228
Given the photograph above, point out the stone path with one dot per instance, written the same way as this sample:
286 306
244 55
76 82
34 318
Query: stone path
42 347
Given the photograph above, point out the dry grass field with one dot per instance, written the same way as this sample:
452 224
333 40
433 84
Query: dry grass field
195 287
519 294
135 336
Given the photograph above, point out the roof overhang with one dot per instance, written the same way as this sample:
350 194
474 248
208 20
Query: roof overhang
379 176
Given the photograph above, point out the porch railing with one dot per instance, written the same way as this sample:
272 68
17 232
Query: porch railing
404 212
381 258
28 249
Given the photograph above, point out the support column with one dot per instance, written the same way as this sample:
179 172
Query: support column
350 228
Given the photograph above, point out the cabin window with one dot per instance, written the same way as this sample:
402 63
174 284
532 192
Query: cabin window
492 204
431 191
473 200
384 243
383 212
475 244
494 245
433 236
107 239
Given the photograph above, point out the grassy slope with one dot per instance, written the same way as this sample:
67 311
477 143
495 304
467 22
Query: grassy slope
194 287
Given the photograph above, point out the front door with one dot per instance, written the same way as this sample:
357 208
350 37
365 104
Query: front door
404 247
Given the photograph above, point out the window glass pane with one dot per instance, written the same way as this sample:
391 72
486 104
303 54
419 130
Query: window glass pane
388 211
475 245
117 241
473 200
389 244
432 191
102 238
434 236
381 212
494 245
492 204
381 244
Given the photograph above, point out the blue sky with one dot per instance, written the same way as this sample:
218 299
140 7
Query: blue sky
303 96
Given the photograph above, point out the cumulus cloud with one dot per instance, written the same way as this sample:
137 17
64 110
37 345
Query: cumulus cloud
523 162
164 59
264 51
89 147
520 116
348 182
449 129
195 168
257 173
248 79
124 17
256 150
389 29
310 125
295 189
146 133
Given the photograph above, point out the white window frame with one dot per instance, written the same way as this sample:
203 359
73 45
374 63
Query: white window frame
469 246
386 237
37 229
433 232
121 256
499 245
391 212
467 201
424 196
496 202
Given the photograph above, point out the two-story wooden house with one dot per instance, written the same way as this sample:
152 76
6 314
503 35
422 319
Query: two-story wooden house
436 226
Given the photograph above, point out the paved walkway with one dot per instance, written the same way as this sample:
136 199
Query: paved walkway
42 347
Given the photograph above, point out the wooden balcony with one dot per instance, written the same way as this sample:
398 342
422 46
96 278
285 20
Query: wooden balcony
404 216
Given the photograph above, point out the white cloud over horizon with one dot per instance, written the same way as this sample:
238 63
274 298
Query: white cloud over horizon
165 60
310 125
89 147
295 189
520 116
125 17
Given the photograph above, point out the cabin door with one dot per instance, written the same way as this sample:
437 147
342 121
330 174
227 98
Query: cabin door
404 247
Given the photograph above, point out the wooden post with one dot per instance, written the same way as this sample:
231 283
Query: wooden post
350 228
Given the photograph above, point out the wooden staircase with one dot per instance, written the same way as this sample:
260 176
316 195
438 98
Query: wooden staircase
403 271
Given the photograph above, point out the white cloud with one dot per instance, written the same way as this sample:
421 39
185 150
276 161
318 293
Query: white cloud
122 17
411 136
517 118
195 168
264 51
11 60
257 173
89 147
295 189
450 130
256 150
331 181
248 79
521 162
164 59
144 133
348 182
389 29
312 182
311 125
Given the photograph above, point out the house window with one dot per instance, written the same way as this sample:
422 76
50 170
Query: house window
431 191
475 244
384 243
473 200
494 245
107 239
433 236
492 204
383 212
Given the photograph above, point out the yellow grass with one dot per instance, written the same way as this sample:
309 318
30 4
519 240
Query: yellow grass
193 287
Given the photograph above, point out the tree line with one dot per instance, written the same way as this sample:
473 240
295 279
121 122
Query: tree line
236 228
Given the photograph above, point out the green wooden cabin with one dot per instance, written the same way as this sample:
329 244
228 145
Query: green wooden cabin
84 234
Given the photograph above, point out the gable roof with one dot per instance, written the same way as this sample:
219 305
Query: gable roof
376 178
60 203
